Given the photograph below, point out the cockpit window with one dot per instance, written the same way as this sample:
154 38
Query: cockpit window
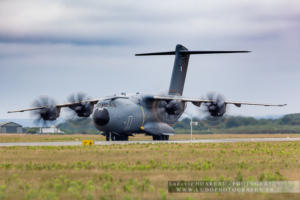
105 104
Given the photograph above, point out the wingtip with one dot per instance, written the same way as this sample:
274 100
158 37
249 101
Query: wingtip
282 105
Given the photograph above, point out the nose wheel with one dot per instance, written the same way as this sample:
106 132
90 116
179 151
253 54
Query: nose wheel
160 137
114 137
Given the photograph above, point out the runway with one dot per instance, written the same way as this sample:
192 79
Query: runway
77 143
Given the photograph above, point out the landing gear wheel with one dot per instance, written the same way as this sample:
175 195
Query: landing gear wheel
125 138
166 137
107 136
115 137
160 137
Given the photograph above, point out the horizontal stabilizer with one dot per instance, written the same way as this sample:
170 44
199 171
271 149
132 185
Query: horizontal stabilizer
186 52
156 53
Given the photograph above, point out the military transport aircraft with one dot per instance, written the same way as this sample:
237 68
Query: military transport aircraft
120 116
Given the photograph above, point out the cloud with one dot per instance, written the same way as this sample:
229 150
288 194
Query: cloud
129 21
59 47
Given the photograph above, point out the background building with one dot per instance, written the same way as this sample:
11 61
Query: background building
10 127
51 129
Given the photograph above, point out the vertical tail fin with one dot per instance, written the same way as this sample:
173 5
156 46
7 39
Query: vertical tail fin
182 55
179 71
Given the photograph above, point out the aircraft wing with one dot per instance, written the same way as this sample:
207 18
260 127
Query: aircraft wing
198 102
92 101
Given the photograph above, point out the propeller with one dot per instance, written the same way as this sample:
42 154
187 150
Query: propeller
48 113
217 108
81 108
168 111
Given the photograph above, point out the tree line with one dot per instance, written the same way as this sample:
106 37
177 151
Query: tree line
227 124
239 124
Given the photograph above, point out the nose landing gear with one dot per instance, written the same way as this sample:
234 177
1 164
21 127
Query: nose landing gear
115 137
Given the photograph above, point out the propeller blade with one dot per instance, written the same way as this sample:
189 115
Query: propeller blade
217 108
48 113
82 109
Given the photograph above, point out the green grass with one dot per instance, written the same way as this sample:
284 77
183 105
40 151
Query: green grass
142 171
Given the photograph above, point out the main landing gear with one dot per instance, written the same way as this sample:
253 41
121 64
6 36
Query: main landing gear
160 137
115 137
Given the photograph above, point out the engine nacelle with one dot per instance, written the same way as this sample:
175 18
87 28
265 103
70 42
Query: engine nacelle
49 114
216 110
168 111
83 109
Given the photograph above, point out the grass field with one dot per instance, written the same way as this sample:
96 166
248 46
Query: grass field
141 171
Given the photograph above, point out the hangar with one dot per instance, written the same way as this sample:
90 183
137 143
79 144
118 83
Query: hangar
10 127
51 129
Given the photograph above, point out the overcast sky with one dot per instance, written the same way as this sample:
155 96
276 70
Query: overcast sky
57 47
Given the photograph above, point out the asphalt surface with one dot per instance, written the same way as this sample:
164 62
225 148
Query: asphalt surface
77 143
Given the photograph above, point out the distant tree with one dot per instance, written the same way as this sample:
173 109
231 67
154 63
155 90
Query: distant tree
32 130
292 119
233 122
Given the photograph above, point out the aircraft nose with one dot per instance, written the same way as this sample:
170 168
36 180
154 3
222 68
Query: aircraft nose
101 117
